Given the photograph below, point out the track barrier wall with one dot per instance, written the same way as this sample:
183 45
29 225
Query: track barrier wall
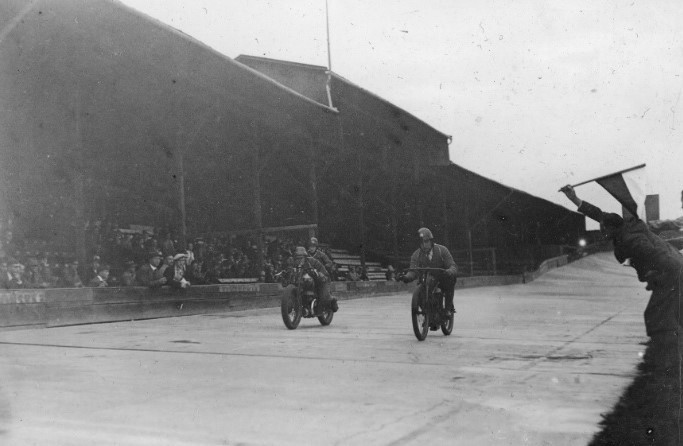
71 306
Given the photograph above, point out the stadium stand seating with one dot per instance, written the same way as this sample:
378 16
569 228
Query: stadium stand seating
343 259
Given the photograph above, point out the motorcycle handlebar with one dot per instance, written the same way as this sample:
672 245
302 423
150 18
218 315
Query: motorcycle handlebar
430 270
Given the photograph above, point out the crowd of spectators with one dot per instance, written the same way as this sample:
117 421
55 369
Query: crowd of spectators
150 258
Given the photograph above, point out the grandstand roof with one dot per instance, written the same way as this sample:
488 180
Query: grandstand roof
369 120
462 176
319 95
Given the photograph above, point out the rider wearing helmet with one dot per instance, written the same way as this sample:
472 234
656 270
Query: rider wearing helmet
432 255
320 256
320 276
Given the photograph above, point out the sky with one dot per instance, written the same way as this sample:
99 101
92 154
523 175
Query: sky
535 94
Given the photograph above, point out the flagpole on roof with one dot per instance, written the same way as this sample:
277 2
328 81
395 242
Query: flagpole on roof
328 84
327 23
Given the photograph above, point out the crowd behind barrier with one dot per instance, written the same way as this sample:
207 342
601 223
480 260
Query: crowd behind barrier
122 257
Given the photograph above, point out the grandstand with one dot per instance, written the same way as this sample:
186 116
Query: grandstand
118 117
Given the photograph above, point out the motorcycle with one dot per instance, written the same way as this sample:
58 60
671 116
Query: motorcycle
302 300
427 307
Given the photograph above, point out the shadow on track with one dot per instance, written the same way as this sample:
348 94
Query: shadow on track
648 413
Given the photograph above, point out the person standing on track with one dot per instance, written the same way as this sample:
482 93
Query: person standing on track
660 265
656 262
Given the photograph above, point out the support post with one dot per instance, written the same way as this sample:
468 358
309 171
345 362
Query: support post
313 178
78 176
256 174
361 210
394 217
181 193
446 234
469 241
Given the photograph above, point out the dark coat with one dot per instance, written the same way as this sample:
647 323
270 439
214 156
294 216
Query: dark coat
656 262
310 263
145 276
169 274
97 282
325 260
441 258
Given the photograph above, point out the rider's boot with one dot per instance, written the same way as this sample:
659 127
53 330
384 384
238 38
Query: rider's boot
333 305
450 309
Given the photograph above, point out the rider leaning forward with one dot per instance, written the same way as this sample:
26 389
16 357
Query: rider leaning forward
432 255
320 275
320 256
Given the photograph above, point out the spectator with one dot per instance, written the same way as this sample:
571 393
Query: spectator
175 274
5 275
17 273
195 273
128 276
268 271
33 277
139 250
91 272
167 262
46 270
390 274
146 274
100 280
70 277
226 269
189 252
200 250
167 246
213 273
363 274
353 274
126 248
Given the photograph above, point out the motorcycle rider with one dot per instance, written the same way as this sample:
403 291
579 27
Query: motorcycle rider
432 255
320 275
320 256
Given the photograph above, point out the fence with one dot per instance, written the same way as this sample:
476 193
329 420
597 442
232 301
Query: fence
69 306
482 261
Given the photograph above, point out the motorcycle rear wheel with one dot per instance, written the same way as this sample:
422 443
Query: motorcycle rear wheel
420 316
290 307
325 317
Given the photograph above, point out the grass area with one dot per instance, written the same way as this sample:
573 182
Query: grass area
648 413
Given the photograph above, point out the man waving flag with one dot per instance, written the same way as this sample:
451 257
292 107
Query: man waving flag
627 186
660 265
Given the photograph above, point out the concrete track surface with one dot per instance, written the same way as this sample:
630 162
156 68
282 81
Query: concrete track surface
532 364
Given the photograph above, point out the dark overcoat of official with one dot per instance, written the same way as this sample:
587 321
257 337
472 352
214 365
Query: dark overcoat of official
656 262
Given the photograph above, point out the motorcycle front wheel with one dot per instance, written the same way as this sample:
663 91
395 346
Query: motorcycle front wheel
419 315
291 309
